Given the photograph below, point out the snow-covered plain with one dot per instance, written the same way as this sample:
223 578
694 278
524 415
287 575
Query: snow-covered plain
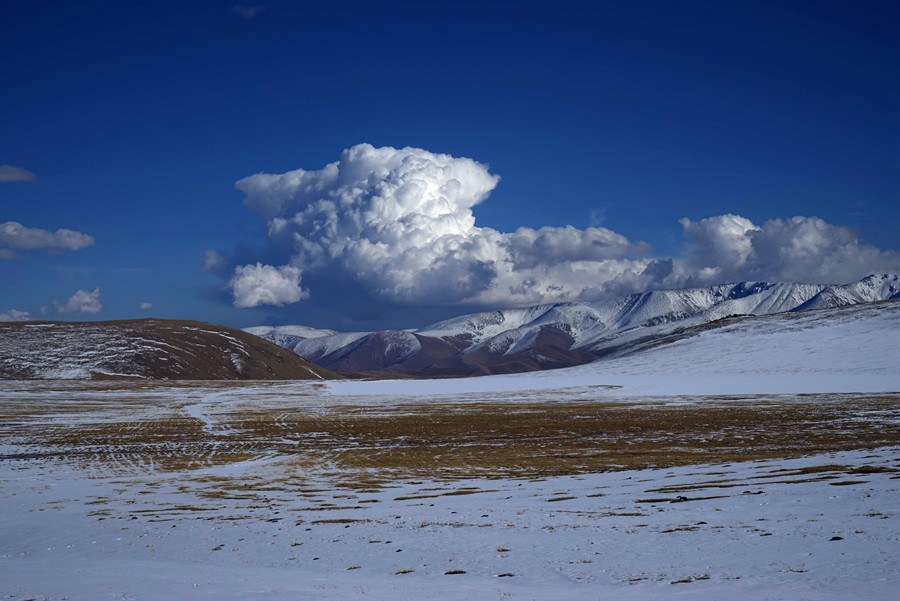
773 534
143 522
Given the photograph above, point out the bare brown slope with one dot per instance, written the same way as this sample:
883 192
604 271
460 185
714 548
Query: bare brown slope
146 348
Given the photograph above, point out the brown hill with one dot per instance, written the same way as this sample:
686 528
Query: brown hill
145 348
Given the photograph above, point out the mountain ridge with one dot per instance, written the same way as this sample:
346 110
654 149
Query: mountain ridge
562 334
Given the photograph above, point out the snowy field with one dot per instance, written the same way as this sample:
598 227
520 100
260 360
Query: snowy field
212 491
735 464
823 527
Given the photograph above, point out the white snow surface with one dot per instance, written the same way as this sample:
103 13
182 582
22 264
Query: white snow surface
597 536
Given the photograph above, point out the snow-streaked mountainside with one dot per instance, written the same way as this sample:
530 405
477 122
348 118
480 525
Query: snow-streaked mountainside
565 334
850 349
144 348
286 335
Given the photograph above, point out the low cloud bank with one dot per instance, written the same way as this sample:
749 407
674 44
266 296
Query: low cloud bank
83 301
15 235
399 224
15 315
800 249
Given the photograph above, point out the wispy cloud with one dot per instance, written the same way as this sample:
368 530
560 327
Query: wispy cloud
246 12
8 173
214 262
145 306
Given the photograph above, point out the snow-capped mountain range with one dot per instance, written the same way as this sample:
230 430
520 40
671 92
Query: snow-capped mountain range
563 334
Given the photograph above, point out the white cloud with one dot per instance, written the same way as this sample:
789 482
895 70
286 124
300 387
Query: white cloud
14 315
399 225
214 262
81 302
16 235
259 284
8 173
800 249
724 239
145 306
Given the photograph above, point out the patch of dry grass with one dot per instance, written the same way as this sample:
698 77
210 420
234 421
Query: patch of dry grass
450 441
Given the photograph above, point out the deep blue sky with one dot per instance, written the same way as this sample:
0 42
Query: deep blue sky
136 119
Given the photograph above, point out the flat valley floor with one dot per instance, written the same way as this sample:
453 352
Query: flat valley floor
211 490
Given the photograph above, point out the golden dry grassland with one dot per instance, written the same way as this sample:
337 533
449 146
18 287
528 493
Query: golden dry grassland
137 431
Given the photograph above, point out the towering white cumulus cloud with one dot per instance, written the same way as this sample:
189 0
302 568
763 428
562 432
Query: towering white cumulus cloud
399 224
